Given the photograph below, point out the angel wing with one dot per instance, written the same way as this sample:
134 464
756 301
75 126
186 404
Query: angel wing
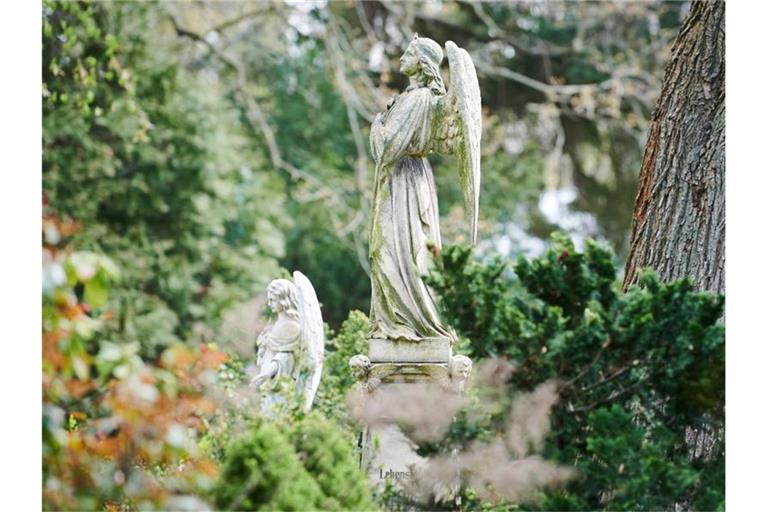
459 127
313 339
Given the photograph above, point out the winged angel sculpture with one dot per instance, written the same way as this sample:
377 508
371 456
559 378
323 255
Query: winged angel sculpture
292 344
404 221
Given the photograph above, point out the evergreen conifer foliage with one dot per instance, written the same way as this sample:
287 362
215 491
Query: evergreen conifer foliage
636 370
261 471
328 456
307 464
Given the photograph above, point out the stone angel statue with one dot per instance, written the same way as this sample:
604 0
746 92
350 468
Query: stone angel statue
404 228
293 343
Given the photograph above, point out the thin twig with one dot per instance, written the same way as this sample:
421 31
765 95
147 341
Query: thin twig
606 380
588 368
236 20
256 117
613 396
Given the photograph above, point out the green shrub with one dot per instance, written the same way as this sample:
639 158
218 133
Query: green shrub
329 457
337 378
304 464
637 371
261 471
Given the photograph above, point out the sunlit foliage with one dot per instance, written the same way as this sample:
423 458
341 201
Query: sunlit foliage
192 149
157 169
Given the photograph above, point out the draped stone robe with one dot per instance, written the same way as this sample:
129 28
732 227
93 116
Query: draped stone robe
404 222
278 343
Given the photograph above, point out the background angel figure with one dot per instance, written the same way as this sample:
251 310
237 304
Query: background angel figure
292 344
404 221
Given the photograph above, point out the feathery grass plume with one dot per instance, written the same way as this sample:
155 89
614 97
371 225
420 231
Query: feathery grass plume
528 423
424 411
500 467
499 470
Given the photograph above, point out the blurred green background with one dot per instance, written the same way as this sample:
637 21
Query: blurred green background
203 146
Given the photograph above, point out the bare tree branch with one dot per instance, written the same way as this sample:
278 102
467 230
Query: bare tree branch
369 31
238 19
491 70
586 369
258 122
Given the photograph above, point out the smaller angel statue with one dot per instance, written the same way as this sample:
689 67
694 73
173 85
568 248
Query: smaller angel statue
292 345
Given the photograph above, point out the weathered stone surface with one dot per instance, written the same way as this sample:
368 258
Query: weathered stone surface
297 330
405 325
409 343
404 230
389 455
435 350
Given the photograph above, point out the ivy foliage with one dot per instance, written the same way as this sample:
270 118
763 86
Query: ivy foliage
337 378
640 373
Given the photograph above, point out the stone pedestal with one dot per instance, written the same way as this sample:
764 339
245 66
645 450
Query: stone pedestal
388 455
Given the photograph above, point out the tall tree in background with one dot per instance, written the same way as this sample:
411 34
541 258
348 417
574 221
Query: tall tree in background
679 218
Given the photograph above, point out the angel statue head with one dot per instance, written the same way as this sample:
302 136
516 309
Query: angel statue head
360 366
281 297
421 61
461 367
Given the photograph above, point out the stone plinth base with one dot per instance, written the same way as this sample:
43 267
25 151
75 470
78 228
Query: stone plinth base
431 350
389 456
408 372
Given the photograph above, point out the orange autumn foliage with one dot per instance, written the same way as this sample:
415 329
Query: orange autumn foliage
116 441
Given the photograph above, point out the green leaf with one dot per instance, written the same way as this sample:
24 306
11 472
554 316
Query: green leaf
96 293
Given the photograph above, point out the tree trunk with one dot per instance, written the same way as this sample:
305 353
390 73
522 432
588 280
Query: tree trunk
678 226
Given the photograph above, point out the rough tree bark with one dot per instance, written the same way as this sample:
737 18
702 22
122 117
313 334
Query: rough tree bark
678 226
